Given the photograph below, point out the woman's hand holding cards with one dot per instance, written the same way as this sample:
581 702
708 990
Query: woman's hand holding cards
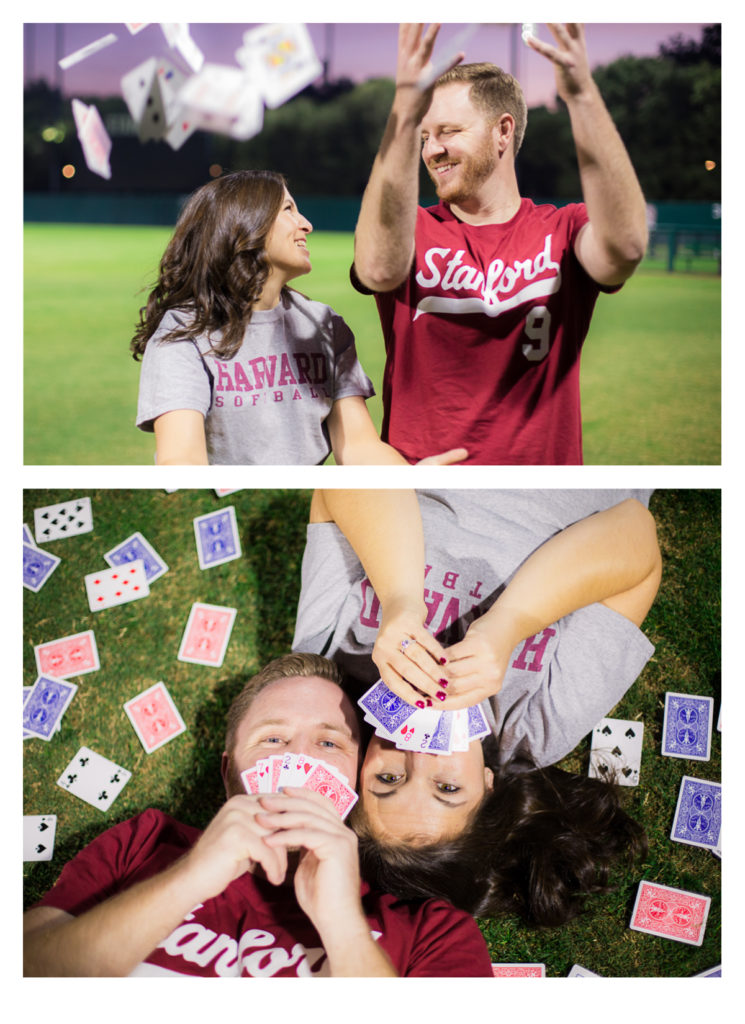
410 660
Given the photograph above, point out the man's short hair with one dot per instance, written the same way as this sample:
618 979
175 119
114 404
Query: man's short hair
494 92
285 667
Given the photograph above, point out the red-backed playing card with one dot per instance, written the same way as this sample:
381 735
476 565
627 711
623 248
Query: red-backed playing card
155 717
670 913
324 781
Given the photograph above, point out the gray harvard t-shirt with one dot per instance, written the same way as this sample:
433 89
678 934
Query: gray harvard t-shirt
559 683
267 405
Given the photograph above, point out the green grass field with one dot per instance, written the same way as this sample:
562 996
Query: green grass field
138 644
650 372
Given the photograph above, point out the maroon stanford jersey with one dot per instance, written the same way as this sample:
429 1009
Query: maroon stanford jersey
483 339
255 929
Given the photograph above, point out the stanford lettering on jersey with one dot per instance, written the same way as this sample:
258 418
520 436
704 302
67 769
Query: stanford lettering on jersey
501 288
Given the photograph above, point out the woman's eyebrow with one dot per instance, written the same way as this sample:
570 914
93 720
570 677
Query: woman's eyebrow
392 792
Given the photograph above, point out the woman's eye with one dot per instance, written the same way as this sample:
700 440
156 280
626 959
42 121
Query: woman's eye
388 778
447 787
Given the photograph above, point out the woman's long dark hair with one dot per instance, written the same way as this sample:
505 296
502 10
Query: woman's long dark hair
215 265
540 842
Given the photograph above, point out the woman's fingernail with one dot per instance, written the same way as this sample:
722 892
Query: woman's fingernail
440 695
443 661
420 703
443 682
429 703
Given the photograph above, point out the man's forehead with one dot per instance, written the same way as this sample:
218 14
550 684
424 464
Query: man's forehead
448 101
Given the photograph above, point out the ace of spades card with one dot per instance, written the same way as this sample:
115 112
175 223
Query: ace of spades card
94 778
616 751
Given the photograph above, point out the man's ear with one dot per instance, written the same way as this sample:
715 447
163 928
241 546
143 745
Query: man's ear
504 131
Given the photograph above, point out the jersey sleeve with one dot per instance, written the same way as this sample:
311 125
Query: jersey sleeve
173 376
349 377
448 944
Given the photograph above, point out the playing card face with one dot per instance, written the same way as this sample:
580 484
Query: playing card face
67 519
698 815
38 836
38 566
45 705
154 717
136 86
670 913
578 971
112 587
69 656
282 60
207 633
221 98
136 547
519 970
270 774
217 538
616 751
94 778
686 730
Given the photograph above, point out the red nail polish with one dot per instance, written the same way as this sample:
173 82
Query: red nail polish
429 703
440 695
443 661
443 682
420 703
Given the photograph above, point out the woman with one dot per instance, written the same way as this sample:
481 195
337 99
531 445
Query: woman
535 599
238 369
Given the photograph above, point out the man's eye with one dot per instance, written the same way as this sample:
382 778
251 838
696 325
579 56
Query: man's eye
388 778
328 743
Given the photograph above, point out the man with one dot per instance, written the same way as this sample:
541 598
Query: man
270 888
485 299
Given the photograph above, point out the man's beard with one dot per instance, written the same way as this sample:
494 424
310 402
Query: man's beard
473 171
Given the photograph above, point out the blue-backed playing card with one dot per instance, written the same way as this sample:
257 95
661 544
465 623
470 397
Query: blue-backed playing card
686 730
386 708
45 705
477 724
217 538
698 815
38 566
440 742
135 547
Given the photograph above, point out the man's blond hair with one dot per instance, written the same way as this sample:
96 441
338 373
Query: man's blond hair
494 92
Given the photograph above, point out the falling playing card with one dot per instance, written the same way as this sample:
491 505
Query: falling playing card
116 586
686 730
87 51
45 705
217 538
94 139
670 913
698 814
206 636
616 751
179 38
94 778
135 547
280 59
69 656
38 566
38 836
68 519
222 99
155 717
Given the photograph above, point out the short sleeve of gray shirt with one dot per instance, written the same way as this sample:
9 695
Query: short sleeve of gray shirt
559 684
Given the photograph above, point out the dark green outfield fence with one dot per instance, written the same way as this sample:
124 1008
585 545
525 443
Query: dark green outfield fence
683 236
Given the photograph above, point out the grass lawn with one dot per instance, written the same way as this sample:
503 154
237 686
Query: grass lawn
138 644
650 378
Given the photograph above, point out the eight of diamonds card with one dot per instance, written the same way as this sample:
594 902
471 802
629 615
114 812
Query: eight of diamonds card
217 538
69 656
155 717
135 547
94 778
670 913
67 519
38 836
112 587
45 705
698 815
687 727
206 636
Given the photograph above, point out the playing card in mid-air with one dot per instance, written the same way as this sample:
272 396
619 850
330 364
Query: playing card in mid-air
616 751
698 814
45 705
135 547
670 913
217 537
94 139
154 717
686 730
116 586
38 836
206 636
69 656
179 38
94 778
86 51
38 566
222 98
66 519
281 59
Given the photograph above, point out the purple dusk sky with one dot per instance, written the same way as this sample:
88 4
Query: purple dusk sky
357 51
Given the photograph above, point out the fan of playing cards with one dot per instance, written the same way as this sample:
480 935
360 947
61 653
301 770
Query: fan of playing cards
271 774
274 62
427 731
